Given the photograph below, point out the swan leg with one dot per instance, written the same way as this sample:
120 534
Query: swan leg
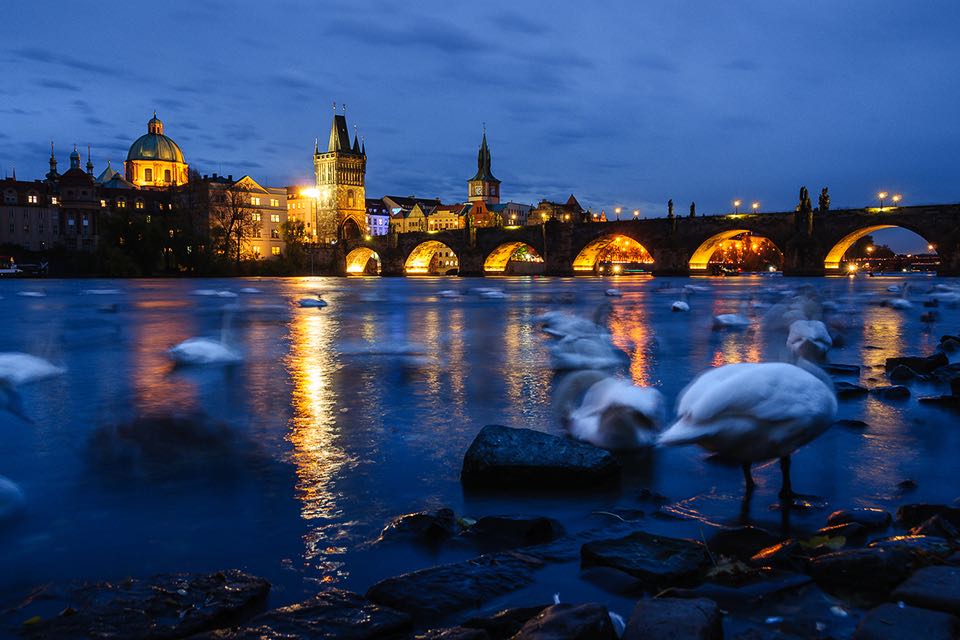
748 478
786 490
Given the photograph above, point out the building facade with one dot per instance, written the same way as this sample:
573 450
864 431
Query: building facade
340 173
378 217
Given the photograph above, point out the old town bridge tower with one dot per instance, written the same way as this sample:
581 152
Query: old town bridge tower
340 172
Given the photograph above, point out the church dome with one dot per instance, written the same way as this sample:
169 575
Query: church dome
154 145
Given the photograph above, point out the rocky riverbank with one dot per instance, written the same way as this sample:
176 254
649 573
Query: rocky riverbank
864 574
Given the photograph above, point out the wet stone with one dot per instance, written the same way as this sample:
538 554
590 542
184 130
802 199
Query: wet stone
937 526
849 390
932 588
892 622
917 363
841 369
658 561
948 402
669 618
902 373
435 592
569 622
522 458
504 624
872 519
428 527
869 570
333 613
911 515
512 531
925 549
893 392
740 542
851 424
164 606
851 532
787 555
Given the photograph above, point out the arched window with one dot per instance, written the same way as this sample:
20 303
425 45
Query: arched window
148 175
350 198
166 175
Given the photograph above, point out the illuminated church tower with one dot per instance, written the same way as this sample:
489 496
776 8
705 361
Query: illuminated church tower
340 172
484 186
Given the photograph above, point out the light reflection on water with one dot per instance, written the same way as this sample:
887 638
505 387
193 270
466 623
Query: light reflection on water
357 433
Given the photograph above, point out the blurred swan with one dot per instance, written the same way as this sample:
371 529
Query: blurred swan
901 303
681 305
586 352
809 339
32 294
491 294
250 290
17 369
11 499
613 293
448 293
561 324
615 414
204 351
100 292
317 302
753 411
731 321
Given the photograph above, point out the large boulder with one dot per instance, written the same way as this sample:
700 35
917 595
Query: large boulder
160 607
657 561
741 542
522 458
911 515
499 532
569 622
503 625
892 622
670 618
431 594
932 588
333 613
872 519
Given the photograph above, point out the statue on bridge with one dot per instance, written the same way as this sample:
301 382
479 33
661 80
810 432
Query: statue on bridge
693 209
805 212
824 202
670 208
805 205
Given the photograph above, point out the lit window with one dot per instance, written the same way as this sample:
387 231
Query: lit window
103 203
255 217
275 251
121 203
149 218
148 175
256 250
32 198
274 202
255 201
274 233
166 175
53 199
274 217
139 204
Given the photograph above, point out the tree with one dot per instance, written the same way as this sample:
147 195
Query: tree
233 219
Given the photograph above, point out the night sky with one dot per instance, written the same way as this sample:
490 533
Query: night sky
627 105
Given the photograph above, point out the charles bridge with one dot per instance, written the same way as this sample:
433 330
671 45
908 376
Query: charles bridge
812 242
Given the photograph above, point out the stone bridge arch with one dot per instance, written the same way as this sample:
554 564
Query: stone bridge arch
699 260
357 261
845 232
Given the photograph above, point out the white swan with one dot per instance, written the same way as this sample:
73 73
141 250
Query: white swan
586 352
613 293
448 293
17 369
204 351
731 321
753 411
11 498
681 305
315 303
615 414
490 293
809 339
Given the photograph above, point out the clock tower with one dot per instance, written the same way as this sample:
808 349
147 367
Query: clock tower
483 186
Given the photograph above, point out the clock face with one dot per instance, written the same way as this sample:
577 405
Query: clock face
478 189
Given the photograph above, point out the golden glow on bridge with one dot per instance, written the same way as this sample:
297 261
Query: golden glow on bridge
358 261
612 249
432 257
500 257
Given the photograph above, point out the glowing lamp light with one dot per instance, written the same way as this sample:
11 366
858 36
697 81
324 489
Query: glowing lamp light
755 206
367 237
851 267
310 193
896 198
930 247
617 268
736 206
881 197
636 213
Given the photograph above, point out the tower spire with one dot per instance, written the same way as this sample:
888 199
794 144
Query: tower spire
89 162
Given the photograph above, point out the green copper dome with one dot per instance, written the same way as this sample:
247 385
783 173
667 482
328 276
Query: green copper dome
154 145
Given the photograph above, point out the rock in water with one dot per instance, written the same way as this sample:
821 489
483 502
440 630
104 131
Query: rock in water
911 515
894 392
427 527
849 390
873 519
428 595
658 561
453 633
164 606
892 622
670 618
741 542
506 623
918 363
512 531
932 588
333 613
522 458
902 373
869 570
569 622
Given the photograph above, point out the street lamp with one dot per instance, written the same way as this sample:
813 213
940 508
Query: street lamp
736 206
930 247
896 199
869 249
617 211
881 196
755 206
636 214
